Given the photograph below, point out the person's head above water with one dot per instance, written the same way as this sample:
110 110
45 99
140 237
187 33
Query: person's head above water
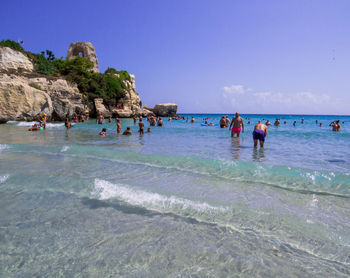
104 130
128 128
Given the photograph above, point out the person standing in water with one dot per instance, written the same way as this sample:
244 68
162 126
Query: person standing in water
192 120
336 126
237 123
259 133
67 123
119 126
100 119
141 126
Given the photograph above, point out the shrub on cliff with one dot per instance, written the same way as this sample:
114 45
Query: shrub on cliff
12 44
108 85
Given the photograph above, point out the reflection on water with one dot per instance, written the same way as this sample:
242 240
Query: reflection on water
236 147
258 154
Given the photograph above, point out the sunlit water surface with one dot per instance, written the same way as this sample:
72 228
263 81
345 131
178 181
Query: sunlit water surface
182 201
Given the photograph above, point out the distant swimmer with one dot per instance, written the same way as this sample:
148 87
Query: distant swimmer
67 123
149 130
295 123
160 122
110 119
119 126
316 121
170 119
285 122
259 133
277 122
135 119
320 124
141 126
223 122
103 132
268 123
192 120
336 126
34 128
44 118
302 120
127 131
237 123
100 119
228 122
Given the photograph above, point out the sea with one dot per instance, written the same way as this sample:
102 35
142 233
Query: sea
184 200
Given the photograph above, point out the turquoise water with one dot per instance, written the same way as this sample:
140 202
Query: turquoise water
182 201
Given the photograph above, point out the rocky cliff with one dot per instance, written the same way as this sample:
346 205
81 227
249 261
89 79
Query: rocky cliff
25 95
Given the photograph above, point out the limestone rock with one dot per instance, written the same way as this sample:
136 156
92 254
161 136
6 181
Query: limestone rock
14 60
100 108
86 50
24 98
146 112
148 108
165 109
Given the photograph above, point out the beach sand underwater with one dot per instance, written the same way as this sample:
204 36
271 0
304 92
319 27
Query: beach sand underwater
185 200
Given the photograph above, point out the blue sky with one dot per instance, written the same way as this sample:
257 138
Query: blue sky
206 56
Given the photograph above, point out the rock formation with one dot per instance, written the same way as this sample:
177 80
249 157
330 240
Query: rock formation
23 96
84 49
14 60
165 110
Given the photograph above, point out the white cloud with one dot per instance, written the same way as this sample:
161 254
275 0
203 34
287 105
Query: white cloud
250 101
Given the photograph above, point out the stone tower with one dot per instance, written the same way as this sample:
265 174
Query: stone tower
84 49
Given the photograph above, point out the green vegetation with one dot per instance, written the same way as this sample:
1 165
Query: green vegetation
108 85
36 86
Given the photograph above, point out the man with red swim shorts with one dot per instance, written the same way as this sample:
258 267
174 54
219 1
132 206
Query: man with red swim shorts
237 123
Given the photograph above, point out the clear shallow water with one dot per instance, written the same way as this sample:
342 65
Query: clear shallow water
182 201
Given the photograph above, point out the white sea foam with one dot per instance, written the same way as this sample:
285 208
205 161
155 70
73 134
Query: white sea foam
106 190
65 148
4 178
3 147
48 125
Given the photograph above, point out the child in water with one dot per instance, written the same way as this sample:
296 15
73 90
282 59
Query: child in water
103 132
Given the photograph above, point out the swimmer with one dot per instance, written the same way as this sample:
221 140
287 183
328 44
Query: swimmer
103 132
119 126
110 119
336 126
170 119
152 121
135 119
316 121
268 123
237 123
141 126
320 124
149 130
277 122
285 122
44 120
100 119
227 121
127 131
160 122
302 120
223 122
67 124
295 123
192 120
259 133
34 128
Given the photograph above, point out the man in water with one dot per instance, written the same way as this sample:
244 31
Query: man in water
259 133
34 128
336 126
268 122
277 122
192 120
67 123
236 122
127 131
223 122
160 122
295 123
141 126
227 121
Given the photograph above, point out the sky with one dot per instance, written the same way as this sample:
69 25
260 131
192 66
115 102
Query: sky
250 56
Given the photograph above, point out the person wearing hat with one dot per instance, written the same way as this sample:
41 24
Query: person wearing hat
44 120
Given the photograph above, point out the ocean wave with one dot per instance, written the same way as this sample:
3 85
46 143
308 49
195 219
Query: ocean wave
3 147
65 148
29 124
106 190
4 178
